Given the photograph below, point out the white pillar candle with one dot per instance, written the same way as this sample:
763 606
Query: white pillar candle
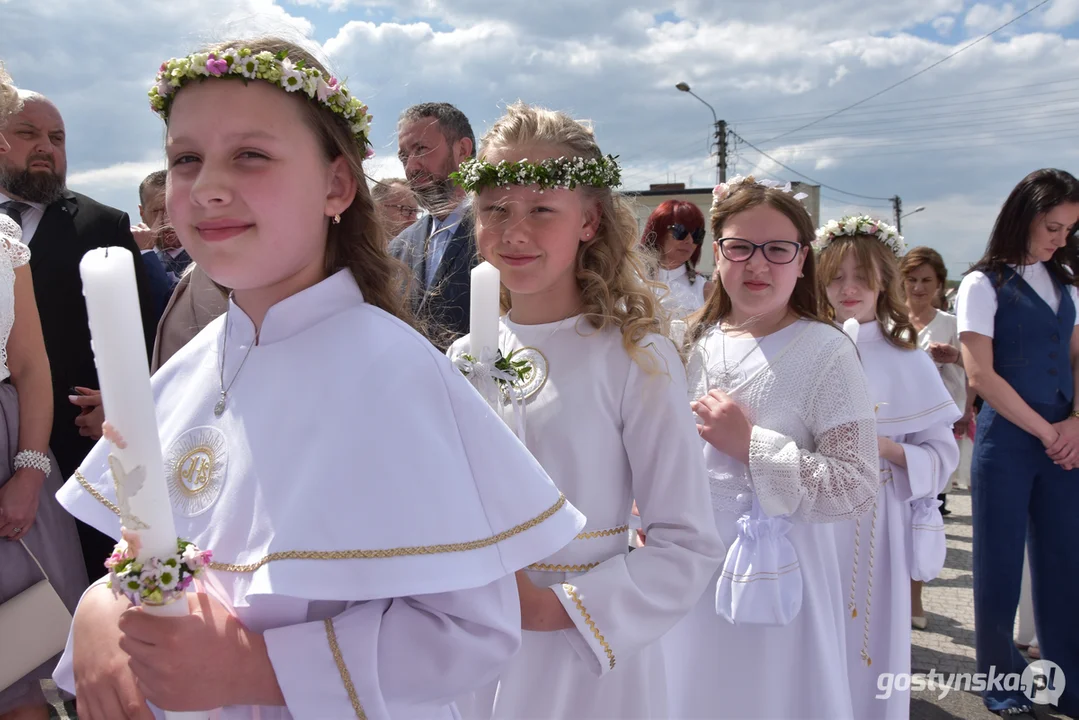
123 371
485 309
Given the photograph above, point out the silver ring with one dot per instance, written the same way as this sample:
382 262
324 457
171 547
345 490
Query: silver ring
18 530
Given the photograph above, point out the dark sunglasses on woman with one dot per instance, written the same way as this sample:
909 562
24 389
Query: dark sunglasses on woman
679 233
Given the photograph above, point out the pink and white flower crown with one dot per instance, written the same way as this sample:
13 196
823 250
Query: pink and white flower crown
861 225
725 190
277 70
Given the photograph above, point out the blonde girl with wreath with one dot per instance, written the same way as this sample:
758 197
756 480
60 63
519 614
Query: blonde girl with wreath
902 538
604 402
365 510
788 436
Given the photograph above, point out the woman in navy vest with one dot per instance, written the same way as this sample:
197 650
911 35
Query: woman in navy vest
1017 318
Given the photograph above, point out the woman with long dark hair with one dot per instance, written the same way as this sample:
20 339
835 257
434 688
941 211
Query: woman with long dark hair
675 233
1017 318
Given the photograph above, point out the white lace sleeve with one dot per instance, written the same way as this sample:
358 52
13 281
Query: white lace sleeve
838 478
11 239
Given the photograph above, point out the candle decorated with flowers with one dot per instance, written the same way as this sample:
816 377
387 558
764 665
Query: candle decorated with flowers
149 565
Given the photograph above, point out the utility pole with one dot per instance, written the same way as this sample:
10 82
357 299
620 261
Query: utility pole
721 134
721 150
897 203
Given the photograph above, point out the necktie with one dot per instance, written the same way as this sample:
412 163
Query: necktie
14 210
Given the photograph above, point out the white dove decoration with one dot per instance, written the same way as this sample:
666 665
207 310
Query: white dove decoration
127 485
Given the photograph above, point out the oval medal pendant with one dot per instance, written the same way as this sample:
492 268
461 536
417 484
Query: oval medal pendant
535 378
219 408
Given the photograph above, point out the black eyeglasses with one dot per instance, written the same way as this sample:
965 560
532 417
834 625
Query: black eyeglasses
679 233
777 252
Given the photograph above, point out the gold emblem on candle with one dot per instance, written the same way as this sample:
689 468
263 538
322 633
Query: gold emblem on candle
127 485
195 463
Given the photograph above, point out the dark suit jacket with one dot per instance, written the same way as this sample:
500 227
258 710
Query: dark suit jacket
69 228
160 287
443 308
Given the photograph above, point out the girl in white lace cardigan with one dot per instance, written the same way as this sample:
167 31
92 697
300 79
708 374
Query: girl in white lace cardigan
790 442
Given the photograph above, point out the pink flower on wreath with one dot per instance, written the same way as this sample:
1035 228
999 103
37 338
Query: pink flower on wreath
216 67
369 154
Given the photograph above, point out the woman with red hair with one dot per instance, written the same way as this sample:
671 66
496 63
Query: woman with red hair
675 233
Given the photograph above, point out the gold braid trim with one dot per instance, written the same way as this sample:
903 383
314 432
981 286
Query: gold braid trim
544 567
572 592
95 494
603 533
392 552
367 554
346 678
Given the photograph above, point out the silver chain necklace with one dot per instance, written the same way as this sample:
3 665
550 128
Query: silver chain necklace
731 375
219 408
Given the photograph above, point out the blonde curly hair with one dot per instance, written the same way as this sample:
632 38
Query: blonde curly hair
611 271
9 96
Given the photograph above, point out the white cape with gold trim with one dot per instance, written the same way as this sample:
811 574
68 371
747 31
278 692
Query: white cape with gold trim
352 462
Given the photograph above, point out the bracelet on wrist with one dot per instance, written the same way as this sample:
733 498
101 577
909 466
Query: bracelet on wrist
1074 414
33 460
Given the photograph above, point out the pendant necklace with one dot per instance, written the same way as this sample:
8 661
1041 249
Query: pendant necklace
731 375
219 408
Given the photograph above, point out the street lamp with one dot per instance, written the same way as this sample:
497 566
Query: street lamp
721 133
915 210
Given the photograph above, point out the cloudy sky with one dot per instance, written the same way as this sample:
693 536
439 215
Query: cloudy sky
955 139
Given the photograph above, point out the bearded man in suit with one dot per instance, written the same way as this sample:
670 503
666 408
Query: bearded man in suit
60 226
433 140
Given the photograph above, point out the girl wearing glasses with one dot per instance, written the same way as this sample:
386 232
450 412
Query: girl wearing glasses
903 537
675 233
1018 311
791 446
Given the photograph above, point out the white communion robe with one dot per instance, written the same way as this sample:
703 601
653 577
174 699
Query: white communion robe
608 431
813 459
916 410
356 486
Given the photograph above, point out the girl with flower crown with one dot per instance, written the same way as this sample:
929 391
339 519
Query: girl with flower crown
903 536
604 409
363 551
788 436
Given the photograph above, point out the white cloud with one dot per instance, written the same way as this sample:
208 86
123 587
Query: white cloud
121 175
944 25
982 18
1061 14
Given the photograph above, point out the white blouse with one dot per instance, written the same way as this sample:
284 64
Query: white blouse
976 305
13 254
944 328
683 297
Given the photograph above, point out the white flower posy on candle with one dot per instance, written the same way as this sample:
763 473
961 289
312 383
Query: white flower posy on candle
157 581
861 225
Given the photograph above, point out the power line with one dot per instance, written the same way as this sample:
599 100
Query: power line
915 101
803 175
911 77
